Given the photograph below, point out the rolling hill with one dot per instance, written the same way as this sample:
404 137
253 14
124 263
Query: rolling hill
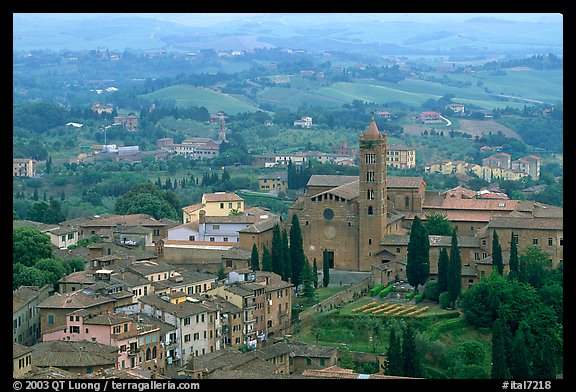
186 96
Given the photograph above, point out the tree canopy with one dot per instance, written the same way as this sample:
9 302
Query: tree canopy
418 258
146 198
30 245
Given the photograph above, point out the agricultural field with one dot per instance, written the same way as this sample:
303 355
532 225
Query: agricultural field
187 96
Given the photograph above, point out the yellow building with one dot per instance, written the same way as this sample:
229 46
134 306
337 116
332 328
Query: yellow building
401 157
23 167
273 182
213 204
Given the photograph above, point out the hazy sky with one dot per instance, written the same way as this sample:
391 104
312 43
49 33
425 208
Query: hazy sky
207 19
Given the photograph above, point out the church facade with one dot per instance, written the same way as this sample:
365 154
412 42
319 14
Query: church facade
363 221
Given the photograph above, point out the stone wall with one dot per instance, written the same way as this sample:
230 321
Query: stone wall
349 294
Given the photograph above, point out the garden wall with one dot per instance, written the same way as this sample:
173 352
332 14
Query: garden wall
349 294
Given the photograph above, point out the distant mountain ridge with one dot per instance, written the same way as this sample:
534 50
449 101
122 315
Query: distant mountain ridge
312 32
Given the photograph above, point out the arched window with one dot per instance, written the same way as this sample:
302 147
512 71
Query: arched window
148 354
406 201
370 210
154 352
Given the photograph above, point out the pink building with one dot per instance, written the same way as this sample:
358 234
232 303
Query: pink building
138 343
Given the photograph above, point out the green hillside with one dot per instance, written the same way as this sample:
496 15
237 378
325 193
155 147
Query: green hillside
186 96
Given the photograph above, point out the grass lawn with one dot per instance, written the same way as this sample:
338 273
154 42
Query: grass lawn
321 294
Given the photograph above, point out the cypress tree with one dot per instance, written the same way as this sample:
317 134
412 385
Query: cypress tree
277 252
454 271
497 263
266 260
394 361
307 283
287 267
514 264
443 262
498 370
411 362
325 269
418 258
255 259
296 251
221 273
520 368
315 273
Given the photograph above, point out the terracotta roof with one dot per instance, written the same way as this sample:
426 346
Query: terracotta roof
19 350
183 309
107 319
404 182
340 373
477 204
273 350
74 300
222 197
130 278
192 208
237 253
233 219
78 277
527 223
150 267
131 220
23 295
300 349
260 227
74 354
372 132
330 180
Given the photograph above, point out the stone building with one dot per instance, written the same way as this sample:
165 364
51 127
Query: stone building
364 221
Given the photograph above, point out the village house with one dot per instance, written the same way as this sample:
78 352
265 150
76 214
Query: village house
198 322
138 343
105 224
273 182
230 363
130 122
97 298
61 236
194 148
430 117
23 167
304 122
100 108
21 359
401 157
457 108
213 204
25 313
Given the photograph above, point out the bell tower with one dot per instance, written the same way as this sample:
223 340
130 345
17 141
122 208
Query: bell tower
372 200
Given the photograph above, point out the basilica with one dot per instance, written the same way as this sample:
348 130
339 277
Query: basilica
363 222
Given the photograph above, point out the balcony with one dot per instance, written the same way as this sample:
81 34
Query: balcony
133 352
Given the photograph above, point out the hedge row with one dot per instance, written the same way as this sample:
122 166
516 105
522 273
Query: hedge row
445 326
385 291
376 289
